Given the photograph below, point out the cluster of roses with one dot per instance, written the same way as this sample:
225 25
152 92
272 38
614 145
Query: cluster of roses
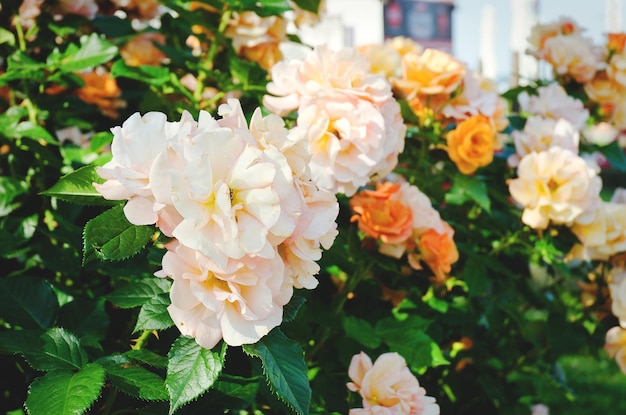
441 89
246 220
555 184
600 69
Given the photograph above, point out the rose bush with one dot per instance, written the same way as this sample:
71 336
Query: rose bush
200 214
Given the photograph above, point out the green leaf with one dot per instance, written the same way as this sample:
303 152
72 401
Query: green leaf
291 309
110 236
476 275
191 371
408 115
65 393
28 302
93 51
52 349
10 189
77 187
468 188
308 5
614 153
284 368
139 292
237 387
147 357
7 37
265 8
361 331
154 315
36 132
134 379
408 338
61 350
152 75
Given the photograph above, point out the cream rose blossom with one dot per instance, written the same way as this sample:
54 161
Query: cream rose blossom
553 101
555 186
346 115
388 383
617 287
247 220
615 346
601 230
540 134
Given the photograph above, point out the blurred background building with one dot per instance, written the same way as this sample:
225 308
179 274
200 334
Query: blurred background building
488 35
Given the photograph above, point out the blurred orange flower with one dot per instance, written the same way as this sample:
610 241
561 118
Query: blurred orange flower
472 143
616 42
431 72
102 91
140 50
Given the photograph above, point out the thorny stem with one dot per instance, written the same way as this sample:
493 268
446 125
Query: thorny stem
141 340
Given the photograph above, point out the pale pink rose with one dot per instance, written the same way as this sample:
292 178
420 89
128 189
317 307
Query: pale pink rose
136 144
306 18
229 194
618 117
540 409
404 45
385 60
617 287
87 8
478 97
540 33
322 71
572 55
389 383
619 195
600 134
248 29
553 101
615 346
317 229
350 140
555 186
258 38
73 135
539 134
346 115
28 12
247 220
601 230
373 410
239 307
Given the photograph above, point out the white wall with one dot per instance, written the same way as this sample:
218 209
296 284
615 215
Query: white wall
348 23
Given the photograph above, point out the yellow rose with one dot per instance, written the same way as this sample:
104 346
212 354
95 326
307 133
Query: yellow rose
433 72
472 143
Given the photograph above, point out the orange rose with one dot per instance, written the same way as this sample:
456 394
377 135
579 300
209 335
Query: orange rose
140 50
381 215
438 251
432 72
101 90
472 143
616 42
